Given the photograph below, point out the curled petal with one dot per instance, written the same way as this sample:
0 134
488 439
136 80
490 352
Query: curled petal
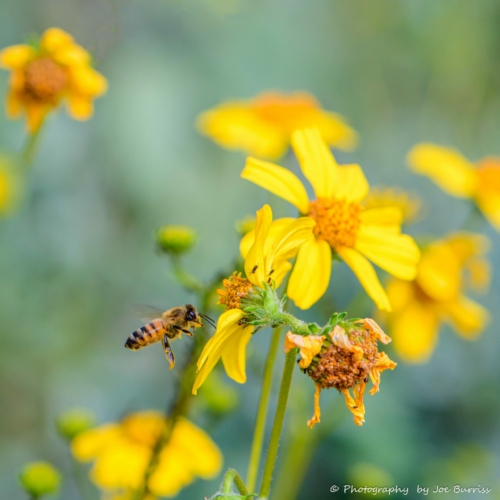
317 409
383 363
373 327
309 346
357 411
340 339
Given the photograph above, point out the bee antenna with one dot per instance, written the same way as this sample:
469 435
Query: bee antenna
209 320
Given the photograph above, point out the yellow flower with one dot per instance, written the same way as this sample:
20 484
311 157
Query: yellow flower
459 177
263 126
437 295
383 197
121 453
266 251
41 78
343 226
344 360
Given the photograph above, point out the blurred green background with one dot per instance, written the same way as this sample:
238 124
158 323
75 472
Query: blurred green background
80 249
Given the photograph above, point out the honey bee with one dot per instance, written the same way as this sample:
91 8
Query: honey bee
165 326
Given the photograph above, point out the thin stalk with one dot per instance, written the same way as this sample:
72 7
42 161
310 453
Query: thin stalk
279 418
231 477
30 148
260 420
184 278
240 484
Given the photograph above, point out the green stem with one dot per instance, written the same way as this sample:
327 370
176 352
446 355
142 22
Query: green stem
298 326
30 148
260 421
240 484
279 418
184 278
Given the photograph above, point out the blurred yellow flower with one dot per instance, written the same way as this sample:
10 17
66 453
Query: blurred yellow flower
447 268
459 177
344 360
41 78
383 197
121 453
266 251
343 225
263 126
9 185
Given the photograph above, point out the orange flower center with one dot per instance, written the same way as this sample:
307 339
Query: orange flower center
44 79
488 172
337 221
338 367
235 289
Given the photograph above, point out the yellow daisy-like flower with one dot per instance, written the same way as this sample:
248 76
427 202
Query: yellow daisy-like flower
345 360
384 197
447 267
41 78
343 226
263 126
121 453
459 177
266 252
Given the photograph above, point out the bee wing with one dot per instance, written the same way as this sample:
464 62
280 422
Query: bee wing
147 313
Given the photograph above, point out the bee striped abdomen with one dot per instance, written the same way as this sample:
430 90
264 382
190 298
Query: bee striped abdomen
146 335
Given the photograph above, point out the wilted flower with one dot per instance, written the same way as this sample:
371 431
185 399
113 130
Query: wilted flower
343 359
40 478
43 77
121 453
266 252
384 197
447 268
175 239
343 226
459 177
263 126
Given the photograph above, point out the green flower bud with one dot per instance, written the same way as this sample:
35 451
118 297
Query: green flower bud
245 225
40 478
175 239
73 422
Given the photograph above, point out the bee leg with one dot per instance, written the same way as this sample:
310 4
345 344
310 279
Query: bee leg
180 329
168 351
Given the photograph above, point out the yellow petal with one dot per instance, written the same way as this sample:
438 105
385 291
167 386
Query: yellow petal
73 57
439 272
340 339
234 354
309 346
467 317
89 444
88 81
311 275
16 56
277 180
351 183
13 105
80 107
446 167
35 114
316 161
373 327
480 272
317 408
397 254
255 262
356 408
383 363
414 332
367 277
236 126
55 39
227 326
335 130
390 218
400 293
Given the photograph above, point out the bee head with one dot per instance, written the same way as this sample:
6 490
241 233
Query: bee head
191 314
